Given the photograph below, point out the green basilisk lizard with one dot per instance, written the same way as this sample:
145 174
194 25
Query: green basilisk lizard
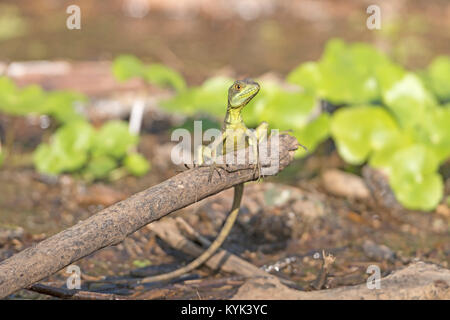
235 135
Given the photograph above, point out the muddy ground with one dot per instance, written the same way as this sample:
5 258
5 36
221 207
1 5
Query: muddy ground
286 222
285 225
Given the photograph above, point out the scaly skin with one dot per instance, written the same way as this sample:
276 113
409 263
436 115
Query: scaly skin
234 132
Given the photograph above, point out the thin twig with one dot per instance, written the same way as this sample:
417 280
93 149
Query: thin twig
328 260
73 294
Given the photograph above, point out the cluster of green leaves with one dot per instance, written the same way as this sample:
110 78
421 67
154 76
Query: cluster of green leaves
388 117
33 100
77 147
126 67
391 118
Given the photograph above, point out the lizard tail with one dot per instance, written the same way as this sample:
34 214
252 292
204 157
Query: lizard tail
229 222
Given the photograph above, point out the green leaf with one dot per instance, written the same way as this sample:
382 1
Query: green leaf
76 136
348 73
419 195
161 75
360 130
136 164
127 66
61 105
414 179
210 97
307 76
409 100
288 110
415 161
114 139
68 150
28 100
99 167
46 160
141 263
8 95
439 77
387 74
382 157
436 126
312 134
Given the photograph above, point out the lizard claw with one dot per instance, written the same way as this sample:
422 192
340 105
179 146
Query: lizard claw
257 170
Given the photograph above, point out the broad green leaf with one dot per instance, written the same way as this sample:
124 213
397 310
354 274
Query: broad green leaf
46 160
381 158
68 150
8 95
348 73
136 164
387 74
127 66
28 100
307 75
61 105
76 136
419 195
161 75
415 161
409 100
414 179
99 167
360 130
436 126
312 134
439 77
210 97
50 159
113 139
288 110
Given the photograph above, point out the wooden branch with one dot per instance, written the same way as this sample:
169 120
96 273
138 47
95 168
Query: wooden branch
417 281
113 224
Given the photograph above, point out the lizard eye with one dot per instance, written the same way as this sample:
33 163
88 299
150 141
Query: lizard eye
237 86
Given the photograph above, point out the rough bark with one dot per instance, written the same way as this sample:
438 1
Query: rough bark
113 224
417 281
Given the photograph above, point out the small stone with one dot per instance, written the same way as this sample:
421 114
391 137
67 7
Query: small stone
378 252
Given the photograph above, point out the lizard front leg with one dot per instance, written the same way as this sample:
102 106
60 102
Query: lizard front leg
210 152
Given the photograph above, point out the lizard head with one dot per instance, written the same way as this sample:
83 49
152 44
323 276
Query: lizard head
241 92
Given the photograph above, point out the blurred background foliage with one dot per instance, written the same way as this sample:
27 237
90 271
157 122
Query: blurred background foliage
382 96
392 118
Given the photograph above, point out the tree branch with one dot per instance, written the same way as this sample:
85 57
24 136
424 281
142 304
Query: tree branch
113 224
